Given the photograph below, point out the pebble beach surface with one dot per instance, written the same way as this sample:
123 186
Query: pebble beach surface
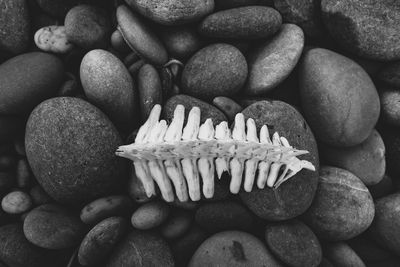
79 77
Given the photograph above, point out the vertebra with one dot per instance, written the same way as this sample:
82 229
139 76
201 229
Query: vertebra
182 155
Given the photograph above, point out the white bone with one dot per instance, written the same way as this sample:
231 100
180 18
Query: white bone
173 167
263 166
236 164
251 164
206 164
189 166
275 166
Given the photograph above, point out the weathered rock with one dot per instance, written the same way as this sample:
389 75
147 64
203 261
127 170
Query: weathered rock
141 249
366 28
14 26
294 196
245 23
70 146
274 60
233 248
172 12
28 79
109 86
339 100
288 241
216 70
342 208
53 227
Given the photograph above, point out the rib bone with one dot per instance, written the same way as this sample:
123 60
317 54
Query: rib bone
163 153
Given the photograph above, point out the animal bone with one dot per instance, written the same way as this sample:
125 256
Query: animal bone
163 153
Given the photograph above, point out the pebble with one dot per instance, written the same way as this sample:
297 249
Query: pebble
367 249
14 26
68 137
294 196
224 215
140 37
273 60
366 160
39 76
304 13
16 251
233 248
88 26
150 89
105 207
109 86
100 241
53 227
207 110
341 254
172 12
150 215
341 112
390 74
386 224
215 70
141 249
181 41
342 208
118 42
53 39
366 28
16 202
289 240
177 225
228 106
244 23
227 4
390 99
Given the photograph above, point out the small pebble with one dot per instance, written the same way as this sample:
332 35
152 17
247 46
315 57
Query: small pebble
16 202
150 215
102 208
341 254
98 243
150 89
88 26
53 227
228 106
177 225
53 39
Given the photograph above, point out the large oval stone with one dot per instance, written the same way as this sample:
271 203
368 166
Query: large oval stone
141 249
250 22
16 250
216 70
367 28
273 60
339 100
294 196
109 86
342 208
233 248
53 227
28 79
172 12
386 225
14 26
70 147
